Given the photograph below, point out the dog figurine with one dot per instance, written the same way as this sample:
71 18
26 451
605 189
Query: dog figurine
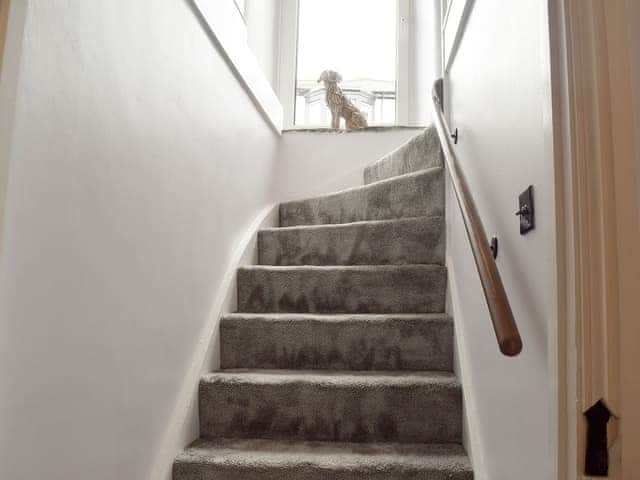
339 104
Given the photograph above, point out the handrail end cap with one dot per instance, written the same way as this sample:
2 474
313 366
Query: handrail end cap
511 347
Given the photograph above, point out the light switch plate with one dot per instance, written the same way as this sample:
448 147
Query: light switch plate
526 210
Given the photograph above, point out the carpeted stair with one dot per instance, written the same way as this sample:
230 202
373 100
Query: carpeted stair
414 194
338 364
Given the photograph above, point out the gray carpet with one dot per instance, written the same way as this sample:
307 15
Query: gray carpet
342 289
330 406
414 194
420 152
338 364
399 241
256 459
337 341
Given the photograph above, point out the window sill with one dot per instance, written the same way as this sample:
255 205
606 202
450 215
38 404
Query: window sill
339 131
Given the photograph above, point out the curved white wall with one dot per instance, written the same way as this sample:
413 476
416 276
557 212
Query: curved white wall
498 96
138 167
137 164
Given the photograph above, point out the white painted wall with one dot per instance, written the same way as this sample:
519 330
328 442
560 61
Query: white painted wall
139 169
138 162
498 96
312 163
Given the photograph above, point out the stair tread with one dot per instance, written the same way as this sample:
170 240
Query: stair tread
399 241
419 193
369 186
262 453
338 226
339 317
355 342
412 288
358 268
417 153
330 405
366 378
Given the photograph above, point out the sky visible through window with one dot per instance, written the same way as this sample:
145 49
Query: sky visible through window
356 38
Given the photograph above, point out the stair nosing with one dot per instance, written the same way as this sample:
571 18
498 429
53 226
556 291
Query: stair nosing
320 226
322 454
333 378
342 267
433 316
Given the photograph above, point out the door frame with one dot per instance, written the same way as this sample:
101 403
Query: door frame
4 20
597 183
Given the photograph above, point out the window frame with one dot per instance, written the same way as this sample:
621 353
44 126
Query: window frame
288 58
4 21
229 31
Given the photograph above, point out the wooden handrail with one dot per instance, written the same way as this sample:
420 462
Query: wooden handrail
504 324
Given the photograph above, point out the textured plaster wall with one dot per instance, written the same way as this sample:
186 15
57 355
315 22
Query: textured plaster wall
498 96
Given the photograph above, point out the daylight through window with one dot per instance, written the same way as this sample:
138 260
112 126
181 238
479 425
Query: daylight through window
358 40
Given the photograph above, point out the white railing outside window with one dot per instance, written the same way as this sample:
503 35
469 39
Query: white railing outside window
375 99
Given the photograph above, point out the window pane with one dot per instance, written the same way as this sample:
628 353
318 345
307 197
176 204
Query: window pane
356 38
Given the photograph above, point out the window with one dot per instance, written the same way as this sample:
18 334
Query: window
387 51
356 38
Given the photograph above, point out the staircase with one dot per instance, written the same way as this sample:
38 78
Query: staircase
339 363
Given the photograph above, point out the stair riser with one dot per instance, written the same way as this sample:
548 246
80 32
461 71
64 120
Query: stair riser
389 344
415 195
231 472
317 411
407 241
422 151
407 289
